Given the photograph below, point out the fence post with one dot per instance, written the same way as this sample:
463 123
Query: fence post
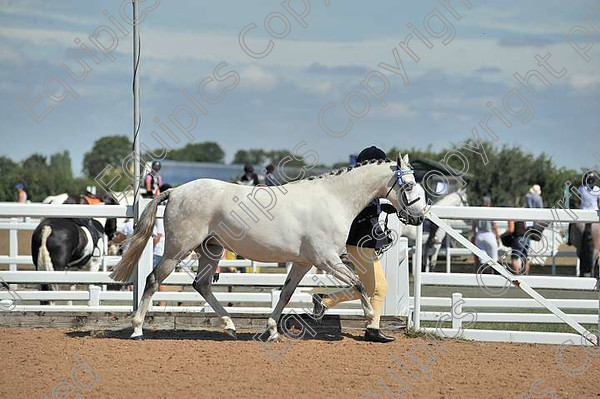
403 293
456 311
13 248
275 294
94 291
144 265
417 279
448 257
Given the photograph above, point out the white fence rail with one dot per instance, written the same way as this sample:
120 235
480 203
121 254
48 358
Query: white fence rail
455 313
395 263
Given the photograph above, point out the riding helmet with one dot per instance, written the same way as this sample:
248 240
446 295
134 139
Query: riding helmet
371 153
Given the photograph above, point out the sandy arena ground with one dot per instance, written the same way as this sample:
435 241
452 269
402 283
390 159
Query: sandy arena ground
205 364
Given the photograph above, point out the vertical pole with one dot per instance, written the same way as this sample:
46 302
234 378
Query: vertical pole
417 279
553 254
448 257
137 291
390 261
456 311
13 248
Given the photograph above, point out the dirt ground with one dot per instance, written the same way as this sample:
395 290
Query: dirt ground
206 364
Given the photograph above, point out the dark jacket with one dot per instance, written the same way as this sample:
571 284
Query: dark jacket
362 232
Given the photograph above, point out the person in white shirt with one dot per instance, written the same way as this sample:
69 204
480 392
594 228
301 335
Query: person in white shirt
158 239
589 194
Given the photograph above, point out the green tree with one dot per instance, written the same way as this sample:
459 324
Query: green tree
109 150
251 157
10 172
415 153
258 156
198 152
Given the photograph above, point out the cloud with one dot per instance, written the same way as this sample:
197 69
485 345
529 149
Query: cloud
394 110
50 16
487 69
341 69
585 82
256 78
322 87
9 57
526 41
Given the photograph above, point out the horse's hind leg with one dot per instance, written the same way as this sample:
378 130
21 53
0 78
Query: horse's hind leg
208 260
291 282
160 272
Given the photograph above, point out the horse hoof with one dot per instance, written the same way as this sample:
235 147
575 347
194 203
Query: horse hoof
231 333
273 338
137 338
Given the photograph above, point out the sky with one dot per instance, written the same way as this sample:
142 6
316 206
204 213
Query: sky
275 101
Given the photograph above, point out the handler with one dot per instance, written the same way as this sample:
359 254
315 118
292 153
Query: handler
365 238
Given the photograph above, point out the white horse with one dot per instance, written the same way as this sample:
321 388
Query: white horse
304 222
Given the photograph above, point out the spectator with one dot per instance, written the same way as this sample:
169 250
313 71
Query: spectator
124 231
533 199
158 240
249 178
590 197
520 242
589 192
153 181
485 234
21 193
270 177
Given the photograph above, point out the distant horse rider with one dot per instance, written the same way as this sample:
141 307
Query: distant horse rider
365 238
153 181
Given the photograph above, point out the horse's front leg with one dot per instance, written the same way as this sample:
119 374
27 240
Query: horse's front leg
297 272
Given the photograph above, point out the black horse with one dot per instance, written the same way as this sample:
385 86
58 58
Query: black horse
62 243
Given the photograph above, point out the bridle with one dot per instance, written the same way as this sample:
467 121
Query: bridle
399 174
399 181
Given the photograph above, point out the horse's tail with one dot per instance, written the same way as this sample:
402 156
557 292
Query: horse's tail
136 243
44 261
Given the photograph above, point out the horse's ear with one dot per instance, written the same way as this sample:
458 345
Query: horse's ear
398 159
405 159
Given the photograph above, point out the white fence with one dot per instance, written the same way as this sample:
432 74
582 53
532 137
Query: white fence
395 263
487 283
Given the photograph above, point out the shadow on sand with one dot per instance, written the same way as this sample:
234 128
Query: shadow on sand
204 335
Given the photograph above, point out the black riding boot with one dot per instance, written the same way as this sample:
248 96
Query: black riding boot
376 335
